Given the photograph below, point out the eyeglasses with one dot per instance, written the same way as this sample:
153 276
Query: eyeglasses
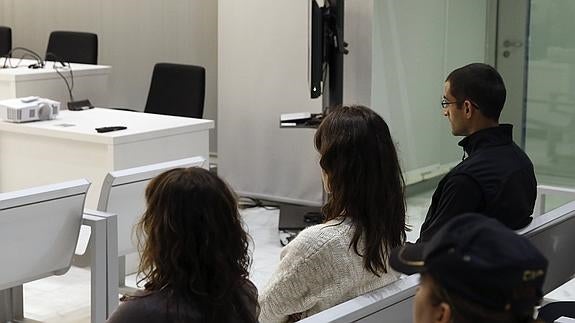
445 103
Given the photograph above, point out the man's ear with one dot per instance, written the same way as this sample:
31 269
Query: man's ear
443 313
468 108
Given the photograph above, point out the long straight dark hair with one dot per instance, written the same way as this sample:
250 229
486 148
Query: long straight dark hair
193 245
365 181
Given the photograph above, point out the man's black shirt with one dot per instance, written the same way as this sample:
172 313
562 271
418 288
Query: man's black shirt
496 179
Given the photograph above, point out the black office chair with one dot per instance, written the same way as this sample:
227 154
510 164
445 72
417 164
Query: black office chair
5 40
177 90
72 47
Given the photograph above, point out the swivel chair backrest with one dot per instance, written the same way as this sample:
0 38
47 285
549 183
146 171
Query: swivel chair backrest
73 47
177 90
5 40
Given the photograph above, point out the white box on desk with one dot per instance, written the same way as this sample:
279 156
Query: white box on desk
28 109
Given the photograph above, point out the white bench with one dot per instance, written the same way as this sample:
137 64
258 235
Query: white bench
553 233
104 254
39 229
392 303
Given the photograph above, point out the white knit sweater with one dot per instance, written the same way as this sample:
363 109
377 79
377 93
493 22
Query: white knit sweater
318 270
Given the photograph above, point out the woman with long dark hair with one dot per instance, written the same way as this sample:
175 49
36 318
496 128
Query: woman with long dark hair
194 254
347 255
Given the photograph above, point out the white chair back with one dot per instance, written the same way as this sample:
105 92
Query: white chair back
123 194
391 303
553 233
39 230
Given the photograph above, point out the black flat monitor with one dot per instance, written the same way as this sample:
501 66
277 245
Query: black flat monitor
326 50
316 48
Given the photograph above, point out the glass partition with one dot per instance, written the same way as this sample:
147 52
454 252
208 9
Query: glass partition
550 103
415 45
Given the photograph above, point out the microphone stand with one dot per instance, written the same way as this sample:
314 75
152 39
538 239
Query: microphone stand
73 105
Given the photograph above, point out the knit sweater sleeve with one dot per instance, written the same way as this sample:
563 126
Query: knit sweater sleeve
305 274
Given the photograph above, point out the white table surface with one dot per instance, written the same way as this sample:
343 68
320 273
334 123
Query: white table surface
68 148
80 126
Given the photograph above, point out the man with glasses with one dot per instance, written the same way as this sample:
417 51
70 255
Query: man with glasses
495 177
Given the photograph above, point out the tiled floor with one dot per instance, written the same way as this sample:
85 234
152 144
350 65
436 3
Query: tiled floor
66 299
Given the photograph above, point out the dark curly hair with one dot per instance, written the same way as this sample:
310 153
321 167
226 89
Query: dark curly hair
192 244
363 174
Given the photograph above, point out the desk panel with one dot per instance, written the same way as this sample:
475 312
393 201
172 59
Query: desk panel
90 82
44 152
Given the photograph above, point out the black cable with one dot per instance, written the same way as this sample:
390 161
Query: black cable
39 61
69 85
66 81
253 202
8 59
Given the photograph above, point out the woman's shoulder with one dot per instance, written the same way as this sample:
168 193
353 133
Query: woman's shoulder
322 237
156 306
142 306
327 231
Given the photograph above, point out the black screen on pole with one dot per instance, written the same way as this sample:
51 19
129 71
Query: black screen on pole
326 48
316 59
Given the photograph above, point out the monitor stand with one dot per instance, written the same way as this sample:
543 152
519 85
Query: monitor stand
294 218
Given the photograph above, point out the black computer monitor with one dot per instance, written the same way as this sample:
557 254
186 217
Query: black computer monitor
327 47
316 48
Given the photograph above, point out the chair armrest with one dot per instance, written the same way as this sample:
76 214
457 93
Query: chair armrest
104 259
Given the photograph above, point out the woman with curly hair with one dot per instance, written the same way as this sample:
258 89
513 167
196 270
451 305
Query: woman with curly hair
194 254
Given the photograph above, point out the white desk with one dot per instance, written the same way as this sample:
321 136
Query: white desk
67 148
90 82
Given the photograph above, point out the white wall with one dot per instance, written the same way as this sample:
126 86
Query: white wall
263 73
133 36
358 67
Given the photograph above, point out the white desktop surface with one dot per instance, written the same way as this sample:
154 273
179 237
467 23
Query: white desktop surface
67 148
90 81
81 126
20 71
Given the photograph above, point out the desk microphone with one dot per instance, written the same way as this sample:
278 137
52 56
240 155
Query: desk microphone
73 105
